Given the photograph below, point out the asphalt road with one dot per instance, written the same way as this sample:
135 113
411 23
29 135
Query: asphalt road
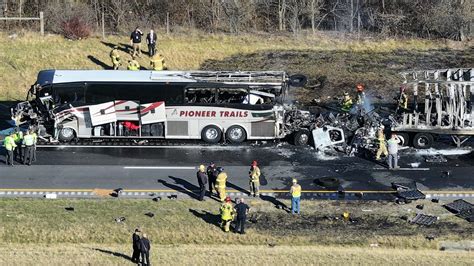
169 169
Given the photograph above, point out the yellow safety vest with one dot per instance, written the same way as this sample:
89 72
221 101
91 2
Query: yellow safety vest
29 140
221 179
35 137
227 211
9 143
381 138
18 137
157 63
255 174
115 56
133 65
295 191
346 104
403 101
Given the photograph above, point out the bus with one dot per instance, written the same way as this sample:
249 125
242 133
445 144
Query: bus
212 106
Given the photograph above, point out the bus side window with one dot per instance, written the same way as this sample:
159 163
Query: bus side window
233 95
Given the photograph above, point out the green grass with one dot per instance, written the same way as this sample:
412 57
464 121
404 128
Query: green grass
341 60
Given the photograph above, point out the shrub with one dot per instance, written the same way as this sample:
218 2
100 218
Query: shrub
75 28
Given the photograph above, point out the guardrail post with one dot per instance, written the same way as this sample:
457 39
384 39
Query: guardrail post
41 23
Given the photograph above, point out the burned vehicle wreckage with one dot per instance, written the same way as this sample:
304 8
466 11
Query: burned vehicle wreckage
238 106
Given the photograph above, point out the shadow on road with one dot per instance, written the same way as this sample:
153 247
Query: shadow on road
278 204
116 254
98 62
207 217
182 186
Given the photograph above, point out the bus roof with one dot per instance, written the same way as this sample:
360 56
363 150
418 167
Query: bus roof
273 78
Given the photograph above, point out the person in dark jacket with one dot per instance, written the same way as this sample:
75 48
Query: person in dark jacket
242 210
145 250
202 180
135 42
136 246
212 175
151 42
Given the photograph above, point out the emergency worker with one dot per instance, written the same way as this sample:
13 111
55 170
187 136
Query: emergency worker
360 94
212 176
10 145
403 99
35 137
227 212
221 183
346 103
382 146
295 192
202 181
18 138
133 64
254 181
115 57
29 141
157 62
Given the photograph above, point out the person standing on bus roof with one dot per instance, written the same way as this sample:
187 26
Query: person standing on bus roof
151 42
202 181
212 176
135 42
221 183
133 64
254 175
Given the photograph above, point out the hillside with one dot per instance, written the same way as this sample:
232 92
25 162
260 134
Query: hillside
333 60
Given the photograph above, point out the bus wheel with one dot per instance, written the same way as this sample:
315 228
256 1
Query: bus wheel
236 134
423 140
66 134
301 137
404 139
211 134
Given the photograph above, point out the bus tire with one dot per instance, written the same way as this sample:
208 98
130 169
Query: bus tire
211 134
423 140
66 134
404 139
236 134
301 137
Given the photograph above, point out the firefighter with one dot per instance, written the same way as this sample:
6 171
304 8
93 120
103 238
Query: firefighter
157 62
346 103
382 146
29 141
254 181
360 94
221 183
133 64
10 145
18 138
403 99
212 175
115 57
227 212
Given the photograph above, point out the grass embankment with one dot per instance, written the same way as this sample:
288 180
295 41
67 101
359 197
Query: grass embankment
340 60
188 231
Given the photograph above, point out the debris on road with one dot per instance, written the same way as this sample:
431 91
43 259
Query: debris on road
69 209
156 199
120 219
438 158
406 192
462 209
423 219
150 214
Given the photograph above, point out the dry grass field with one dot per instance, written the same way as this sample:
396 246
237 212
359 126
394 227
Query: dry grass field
43 232
335 59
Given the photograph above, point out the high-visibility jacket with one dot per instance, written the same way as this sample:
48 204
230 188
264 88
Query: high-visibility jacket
346 104
133 65
29 140
9 143
255 174
157 62
18 137
227 211
295 191
115 56
35 137
221 179
403 100
381 138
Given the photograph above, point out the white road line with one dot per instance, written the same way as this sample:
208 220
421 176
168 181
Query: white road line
149 147
404 169
161 167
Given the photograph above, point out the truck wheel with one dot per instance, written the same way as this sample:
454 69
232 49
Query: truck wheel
211 134
404 138
301 137
66 134
236 134
423 140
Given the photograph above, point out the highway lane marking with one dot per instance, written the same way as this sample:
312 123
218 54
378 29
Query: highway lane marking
161 167
404 169
147 147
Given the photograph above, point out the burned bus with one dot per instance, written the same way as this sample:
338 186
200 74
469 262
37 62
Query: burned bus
236 106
